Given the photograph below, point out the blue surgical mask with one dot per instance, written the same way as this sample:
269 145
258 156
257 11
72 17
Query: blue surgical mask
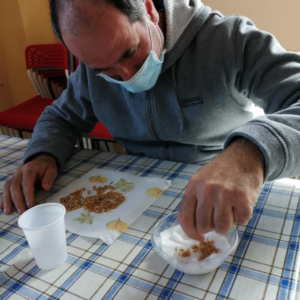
147 75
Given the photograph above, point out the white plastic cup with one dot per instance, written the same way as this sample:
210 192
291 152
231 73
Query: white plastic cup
44 228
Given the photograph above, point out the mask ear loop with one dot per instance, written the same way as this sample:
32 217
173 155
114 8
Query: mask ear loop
161 49
150 37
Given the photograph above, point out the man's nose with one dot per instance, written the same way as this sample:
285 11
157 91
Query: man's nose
126 71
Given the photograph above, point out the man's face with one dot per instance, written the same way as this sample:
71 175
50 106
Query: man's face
115 46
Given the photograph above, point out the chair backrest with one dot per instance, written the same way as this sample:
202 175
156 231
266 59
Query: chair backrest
47 55
44 62
76 62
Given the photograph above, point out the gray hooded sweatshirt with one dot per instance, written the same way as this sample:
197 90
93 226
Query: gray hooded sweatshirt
215 69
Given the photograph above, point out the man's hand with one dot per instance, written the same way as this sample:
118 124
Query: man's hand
222 192
20 187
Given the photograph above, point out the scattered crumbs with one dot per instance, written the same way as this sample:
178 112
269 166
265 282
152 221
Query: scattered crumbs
186 253
205 248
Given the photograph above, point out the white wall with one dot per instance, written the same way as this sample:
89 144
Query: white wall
279 17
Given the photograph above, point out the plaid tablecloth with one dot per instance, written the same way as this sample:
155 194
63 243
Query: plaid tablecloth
264 266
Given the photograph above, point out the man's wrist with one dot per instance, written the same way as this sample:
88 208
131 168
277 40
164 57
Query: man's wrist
250 153
45 155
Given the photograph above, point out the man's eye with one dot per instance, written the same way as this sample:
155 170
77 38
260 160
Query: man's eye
130 53
97 71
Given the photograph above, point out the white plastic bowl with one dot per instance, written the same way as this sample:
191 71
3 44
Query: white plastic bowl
198 267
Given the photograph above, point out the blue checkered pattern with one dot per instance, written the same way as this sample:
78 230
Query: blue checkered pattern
265 264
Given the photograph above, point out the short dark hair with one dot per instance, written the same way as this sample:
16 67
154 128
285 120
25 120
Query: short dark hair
134 9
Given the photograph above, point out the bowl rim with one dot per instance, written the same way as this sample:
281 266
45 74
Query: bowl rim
234 245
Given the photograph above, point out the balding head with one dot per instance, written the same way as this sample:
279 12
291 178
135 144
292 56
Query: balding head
78 16
106 39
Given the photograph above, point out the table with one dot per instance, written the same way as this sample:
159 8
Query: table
264 266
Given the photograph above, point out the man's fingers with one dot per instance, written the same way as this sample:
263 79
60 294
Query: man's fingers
204 219
16 192
242 214
1 203
186 218
20 187
223 217
6 198
205 209
49 177
28 181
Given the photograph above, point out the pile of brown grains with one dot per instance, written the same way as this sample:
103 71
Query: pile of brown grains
106 199
205 248
73 201
103 201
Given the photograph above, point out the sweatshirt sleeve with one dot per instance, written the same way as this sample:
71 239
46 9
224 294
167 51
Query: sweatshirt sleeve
269 76
64 122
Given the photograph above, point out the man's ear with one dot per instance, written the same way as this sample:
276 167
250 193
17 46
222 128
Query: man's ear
151 11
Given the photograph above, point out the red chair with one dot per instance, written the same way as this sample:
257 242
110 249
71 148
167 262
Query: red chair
47 66
100 131
25 115
43 59
40 59
52 82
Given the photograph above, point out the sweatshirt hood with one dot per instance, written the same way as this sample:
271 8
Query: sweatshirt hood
183 20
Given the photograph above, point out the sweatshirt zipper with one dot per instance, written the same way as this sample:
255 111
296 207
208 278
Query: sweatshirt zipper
167 151
151 115
153 127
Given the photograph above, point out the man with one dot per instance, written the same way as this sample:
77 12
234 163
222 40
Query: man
175 84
